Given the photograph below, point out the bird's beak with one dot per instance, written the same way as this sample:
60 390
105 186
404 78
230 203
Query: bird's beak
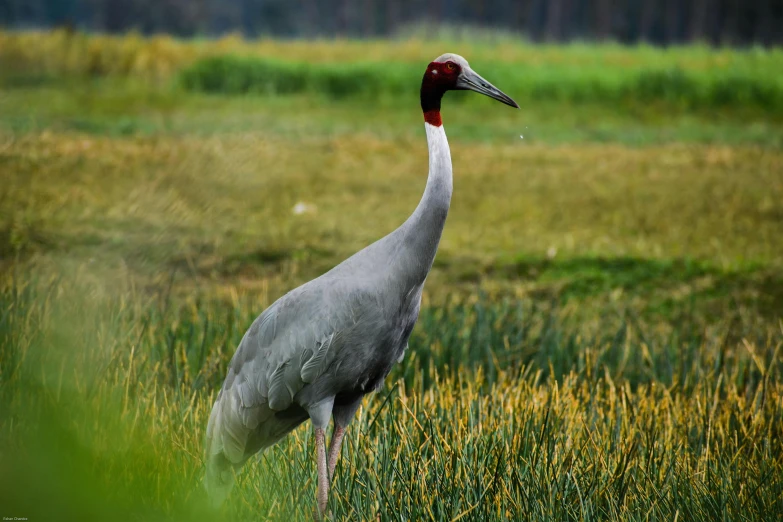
471 81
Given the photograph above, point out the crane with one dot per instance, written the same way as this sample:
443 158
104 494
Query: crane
316 351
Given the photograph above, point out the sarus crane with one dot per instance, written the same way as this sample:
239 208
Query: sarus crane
320 348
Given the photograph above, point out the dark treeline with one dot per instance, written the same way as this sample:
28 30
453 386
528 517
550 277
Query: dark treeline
718 22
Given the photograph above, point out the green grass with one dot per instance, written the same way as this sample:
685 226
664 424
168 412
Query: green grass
132 85
601 333
111 107
597 84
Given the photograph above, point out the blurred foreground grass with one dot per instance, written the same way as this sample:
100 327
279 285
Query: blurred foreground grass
601 333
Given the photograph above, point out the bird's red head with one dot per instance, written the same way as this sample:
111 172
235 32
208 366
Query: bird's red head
451 72
439 78
443 74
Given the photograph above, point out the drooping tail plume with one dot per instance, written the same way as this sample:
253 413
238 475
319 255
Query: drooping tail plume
219 477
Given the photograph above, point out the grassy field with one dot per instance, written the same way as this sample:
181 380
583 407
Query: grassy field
601 334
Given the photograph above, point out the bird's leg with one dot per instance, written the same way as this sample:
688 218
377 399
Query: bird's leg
323 479
334 448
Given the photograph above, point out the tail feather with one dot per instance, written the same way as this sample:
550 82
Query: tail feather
220 471
219 479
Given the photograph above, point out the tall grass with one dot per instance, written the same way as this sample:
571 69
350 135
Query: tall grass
499 412
674 86
689 77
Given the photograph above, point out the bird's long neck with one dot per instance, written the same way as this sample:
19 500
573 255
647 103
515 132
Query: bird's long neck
423 229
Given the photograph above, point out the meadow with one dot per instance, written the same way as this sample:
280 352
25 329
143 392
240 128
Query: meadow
601 334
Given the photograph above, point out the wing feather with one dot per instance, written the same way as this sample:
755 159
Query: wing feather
289 346
280 396
312 369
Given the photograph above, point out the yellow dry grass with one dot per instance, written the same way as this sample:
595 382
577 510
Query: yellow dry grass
218 206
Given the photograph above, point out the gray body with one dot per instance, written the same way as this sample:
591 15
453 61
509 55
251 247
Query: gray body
320 348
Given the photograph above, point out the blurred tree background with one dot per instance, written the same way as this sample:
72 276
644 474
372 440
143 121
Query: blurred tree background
661 22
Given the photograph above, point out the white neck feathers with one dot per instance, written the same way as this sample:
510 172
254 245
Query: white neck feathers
439 181
424 227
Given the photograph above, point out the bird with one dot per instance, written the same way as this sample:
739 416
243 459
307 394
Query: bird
319 349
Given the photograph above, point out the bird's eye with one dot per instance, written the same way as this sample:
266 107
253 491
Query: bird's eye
450 66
